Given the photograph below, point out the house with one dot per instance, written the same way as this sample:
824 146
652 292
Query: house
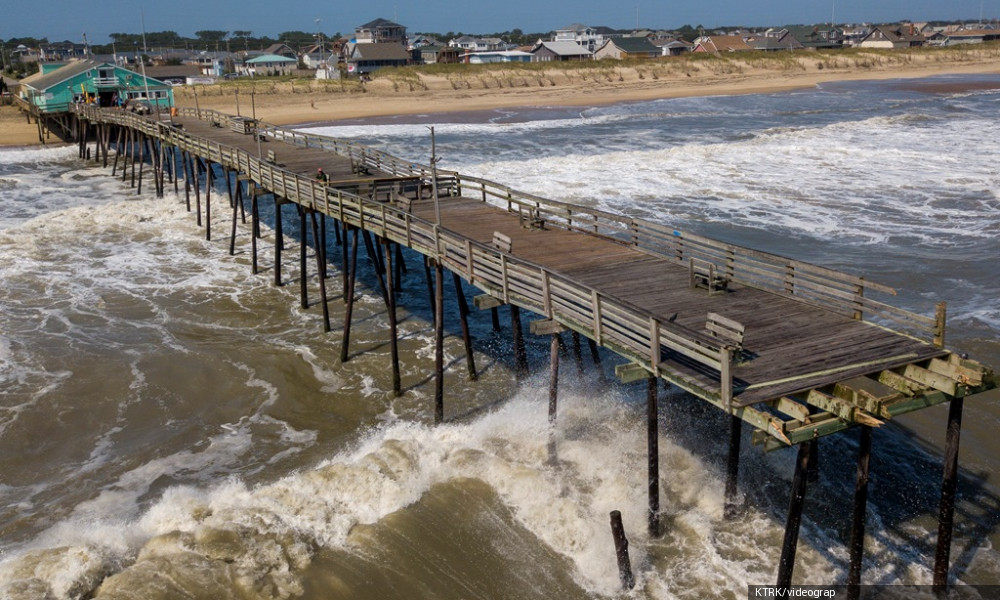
559 51
174 74
280 49
380 31
316 56
719 44
672 46
431 54
62 51
270 64
896 36
474 44
54 88
816 37
628 47
498 56
368 57
420 40
774 40
970 36
588 37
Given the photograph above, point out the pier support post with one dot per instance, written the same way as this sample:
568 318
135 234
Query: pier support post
344 256
857 543
791 540
321 265
438 342
279 240
813 472
949 482
376 264
653 443
254 227
577 351
430 287
520 352
196 173
118 150
463 313
391 298
142 161
238 199
621 551
731 508
553 377
209 172
349 295
495 316
185 158
303 247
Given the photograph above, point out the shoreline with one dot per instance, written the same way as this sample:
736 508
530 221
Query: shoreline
312 104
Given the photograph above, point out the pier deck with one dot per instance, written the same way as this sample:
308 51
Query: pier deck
798 351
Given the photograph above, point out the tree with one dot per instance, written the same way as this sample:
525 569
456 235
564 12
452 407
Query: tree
211 35
295 38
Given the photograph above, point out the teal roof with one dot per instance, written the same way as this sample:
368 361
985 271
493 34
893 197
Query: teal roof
270 58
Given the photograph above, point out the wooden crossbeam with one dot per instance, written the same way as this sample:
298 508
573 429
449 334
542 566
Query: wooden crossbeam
486 302
545 327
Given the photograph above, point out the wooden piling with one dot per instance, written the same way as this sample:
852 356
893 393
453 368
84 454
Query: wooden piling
653 443
186 160
621 551
237 199
731 508
142 161
553 376
813 472
438 342
254 225
949 482
279 240
857 543
320 265
303 247
393 341
463 313
118 150
209 172
520 352
577 351
196 172
791 540
376 264
430 288
349 296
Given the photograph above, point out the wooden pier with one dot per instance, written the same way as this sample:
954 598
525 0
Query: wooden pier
795 350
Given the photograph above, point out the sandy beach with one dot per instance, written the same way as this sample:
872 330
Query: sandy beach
412 92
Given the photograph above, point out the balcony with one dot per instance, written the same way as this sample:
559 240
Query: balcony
105 82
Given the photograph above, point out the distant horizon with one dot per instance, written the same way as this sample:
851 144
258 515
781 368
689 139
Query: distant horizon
63 21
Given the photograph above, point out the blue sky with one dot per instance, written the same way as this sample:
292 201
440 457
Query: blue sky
63 19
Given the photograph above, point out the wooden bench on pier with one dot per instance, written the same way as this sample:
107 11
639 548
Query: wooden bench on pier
704 275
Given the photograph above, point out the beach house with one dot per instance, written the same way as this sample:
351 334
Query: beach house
56 86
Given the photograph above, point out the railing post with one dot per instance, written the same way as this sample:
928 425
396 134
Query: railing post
940 315
789 278
654 346
859 293
726 377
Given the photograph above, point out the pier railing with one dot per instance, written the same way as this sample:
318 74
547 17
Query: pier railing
819 286
631 331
